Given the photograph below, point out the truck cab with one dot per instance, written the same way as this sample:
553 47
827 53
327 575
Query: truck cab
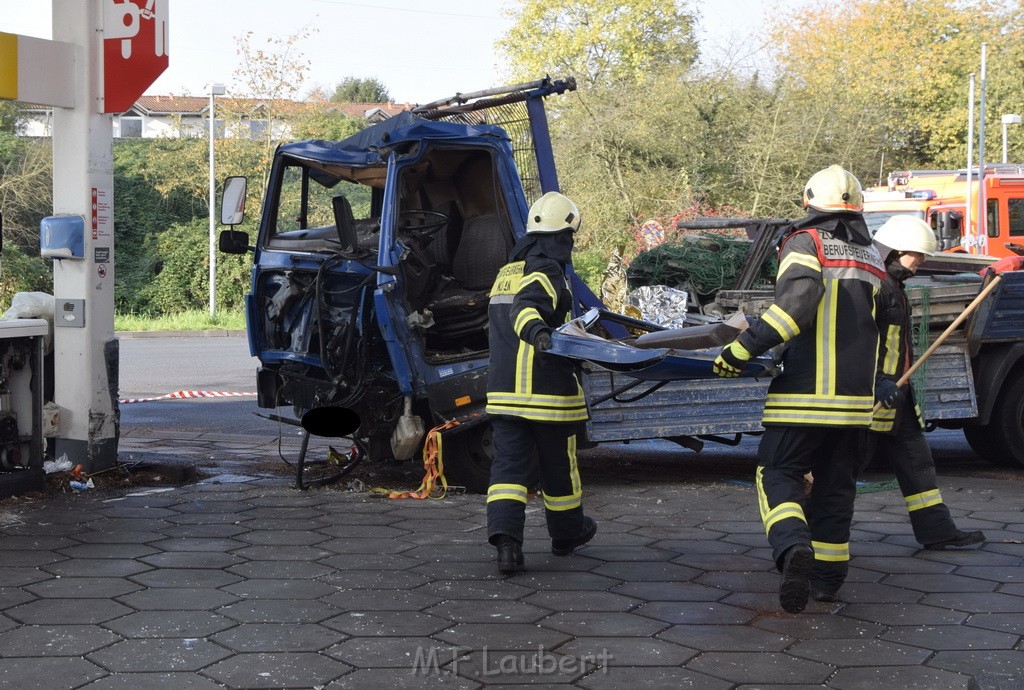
373 263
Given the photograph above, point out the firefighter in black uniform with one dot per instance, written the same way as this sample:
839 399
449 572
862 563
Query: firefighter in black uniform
535 399
818 410
905 241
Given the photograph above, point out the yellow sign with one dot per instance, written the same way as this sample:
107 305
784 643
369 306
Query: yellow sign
8 66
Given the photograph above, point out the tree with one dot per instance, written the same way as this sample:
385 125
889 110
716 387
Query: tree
356 90
900 71
600 42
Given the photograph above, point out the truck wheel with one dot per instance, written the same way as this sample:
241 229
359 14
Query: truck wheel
983 442
467 459
1007 423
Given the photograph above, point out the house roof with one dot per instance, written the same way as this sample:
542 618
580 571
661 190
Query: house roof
197 105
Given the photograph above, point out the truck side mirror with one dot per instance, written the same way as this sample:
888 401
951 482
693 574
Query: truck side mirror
234 242
232 202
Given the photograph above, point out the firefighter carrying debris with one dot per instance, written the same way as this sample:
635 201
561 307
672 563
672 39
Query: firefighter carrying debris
818 409
535 399
904 241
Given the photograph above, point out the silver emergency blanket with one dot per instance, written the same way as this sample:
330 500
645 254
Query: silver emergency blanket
660 304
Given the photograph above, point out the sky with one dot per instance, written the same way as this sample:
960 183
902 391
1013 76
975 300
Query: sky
421 51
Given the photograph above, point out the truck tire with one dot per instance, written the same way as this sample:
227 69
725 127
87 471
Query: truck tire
1007 425
467 459
983 442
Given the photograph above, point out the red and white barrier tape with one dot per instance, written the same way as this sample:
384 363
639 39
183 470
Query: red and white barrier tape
180 395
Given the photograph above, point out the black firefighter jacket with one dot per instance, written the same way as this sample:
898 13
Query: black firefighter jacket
895 348
824 314
531 294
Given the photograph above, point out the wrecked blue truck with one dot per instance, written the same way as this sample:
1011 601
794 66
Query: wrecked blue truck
372 264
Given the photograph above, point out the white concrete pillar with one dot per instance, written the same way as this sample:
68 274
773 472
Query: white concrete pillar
86 358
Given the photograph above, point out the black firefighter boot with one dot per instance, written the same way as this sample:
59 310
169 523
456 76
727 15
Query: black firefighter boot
510 554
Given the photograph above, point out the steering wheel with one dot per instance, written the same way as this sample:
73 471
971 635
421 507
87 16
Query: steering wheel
420 224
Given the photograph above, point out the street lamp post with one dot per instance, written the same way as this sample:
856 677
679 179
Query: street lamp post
1008 120
215 90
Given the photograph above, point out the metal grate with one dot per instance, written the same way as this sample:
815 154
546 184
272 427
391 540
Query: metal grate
508 112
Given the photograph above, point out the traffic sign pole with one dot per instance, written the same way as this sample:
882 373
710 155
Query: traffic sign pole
85 349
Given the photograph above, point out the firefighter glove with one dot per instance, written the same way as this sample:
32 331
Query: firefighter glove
888 393
730 363
542 343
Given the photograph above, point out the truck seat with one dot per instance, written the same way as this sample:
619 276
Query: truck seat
460 306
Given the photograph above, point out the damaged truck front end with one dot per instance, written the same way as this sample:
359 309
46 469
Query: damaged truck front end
373 262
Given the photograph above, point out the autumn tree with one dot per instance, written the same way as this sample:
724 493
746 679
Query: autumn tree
896 75
598 41
356 90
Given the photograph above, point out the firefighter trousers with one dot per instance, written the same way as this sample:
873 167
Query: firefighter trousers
515 441
907 452
822 520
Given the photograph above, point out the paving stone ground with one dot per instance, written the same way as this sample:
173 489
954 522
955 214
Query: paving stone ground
241 581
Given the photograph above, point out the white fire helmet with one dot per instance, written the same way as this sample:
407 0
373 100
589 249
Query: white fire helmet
905 233
834 189
552 213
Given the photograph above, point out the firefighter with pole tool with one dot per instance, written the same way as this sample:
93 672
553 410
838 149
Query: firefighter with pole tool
535 399
818 410
905 241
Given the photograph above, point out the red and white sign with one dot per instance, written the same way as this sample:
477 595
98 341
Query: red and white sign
134 50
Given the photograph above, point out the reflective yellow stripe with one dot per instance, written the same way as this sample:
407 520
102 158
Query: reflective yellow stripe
825 372
845 402
788 416
506 492
560 503
762 499
782 512
883 420
798 259
523 318
537 399
925 499
782 322
538 277
540 415
824 551
892 350
524 368
574 470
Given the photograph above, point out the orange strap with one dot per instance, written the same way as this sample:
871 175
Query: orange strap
433 467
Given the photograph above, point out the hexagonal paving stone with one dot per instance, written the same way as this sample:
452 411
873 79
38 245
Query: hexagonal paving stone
279 611
280 589
192 559
12 596
488 612
476 589
281 537
67 611
121 536
760 667
28 559
154 681
627 651
219 531
820 627
281 569
679 612
940 583
376 579
278 637
582 601
903 614
903 677
186 578
97 567
54 640
33 543
381 600
362 545
363 623
284 670
603 624
396 652
169 624
159 655
726 638
83 588
670 591
108 551
178 599
501 636
401 679
950 637
618 677
17 577
517 667
975 662
976 602
48 672
859 653
217 545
